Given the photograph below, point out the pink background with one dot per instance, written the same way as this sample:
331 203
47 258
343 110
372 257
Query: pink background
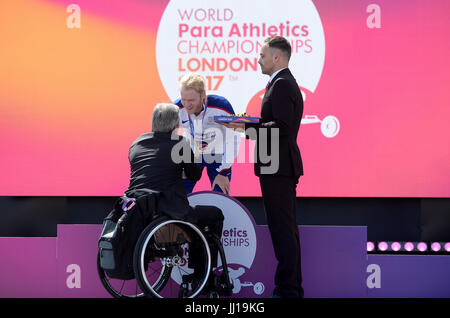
72 101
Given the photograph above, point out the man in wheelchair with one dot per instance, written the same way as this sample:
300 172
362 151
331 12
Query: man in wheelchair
158 162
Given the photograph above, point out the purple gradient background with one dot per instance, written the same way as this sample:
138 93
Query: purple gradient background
334 263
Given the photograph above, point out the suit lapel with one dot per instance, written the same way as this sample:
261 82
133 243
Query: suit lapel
281 73
265 106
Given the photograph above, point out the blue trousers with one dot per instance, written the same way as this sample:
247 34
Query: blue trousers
212 174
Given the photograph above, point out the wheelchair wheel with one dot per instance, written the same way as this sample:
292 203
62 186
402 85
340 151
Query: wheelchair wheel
116 287
162 263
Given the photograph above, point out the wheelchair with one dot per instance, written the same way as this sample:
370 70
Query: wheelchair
172 259
118 288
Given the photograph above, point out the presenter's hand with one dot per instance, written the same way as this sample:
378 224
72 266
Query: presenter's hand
235 126
223 182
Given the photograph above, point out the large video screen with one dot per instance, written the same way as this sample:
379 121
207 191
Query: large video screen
79 81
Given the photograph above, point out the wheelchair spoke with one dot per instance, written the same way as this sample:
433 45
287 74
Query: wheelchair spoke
121 288
168 244
182 269
155 271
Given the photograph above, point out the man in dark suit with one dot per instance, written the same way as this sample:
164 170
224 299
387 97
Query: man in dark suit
280 168
153 167
157 162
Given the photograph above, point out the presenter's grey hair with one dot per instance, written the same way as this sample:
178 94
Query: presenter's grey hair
165 117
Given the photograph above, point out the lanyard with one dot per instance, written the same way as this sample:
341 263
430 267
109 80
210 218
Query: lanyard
191 124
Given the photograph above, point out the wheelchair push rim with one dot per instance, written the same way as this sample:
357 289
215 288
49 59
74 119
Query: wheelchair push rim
116 287
171 269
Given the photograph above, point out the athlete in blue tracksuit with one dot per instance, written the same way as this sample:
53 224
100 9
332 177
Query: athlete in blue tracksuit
214 146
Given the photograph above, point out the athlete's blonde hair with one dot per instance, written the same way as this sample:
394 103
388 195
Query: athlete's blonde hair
193 81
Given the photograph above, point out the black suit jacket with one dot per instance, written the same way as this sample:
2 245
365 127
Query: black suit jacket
153 170
282 108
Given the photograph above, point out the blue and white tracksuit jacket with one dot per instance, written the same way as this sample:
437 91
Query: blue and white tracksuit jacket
214 145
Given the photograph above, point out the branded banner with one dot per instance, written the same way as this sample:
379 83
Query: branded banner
79 81
69 268
334 259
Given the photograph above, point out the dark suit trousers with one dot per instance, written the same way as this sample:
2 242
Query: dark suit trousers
279 195
205 215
